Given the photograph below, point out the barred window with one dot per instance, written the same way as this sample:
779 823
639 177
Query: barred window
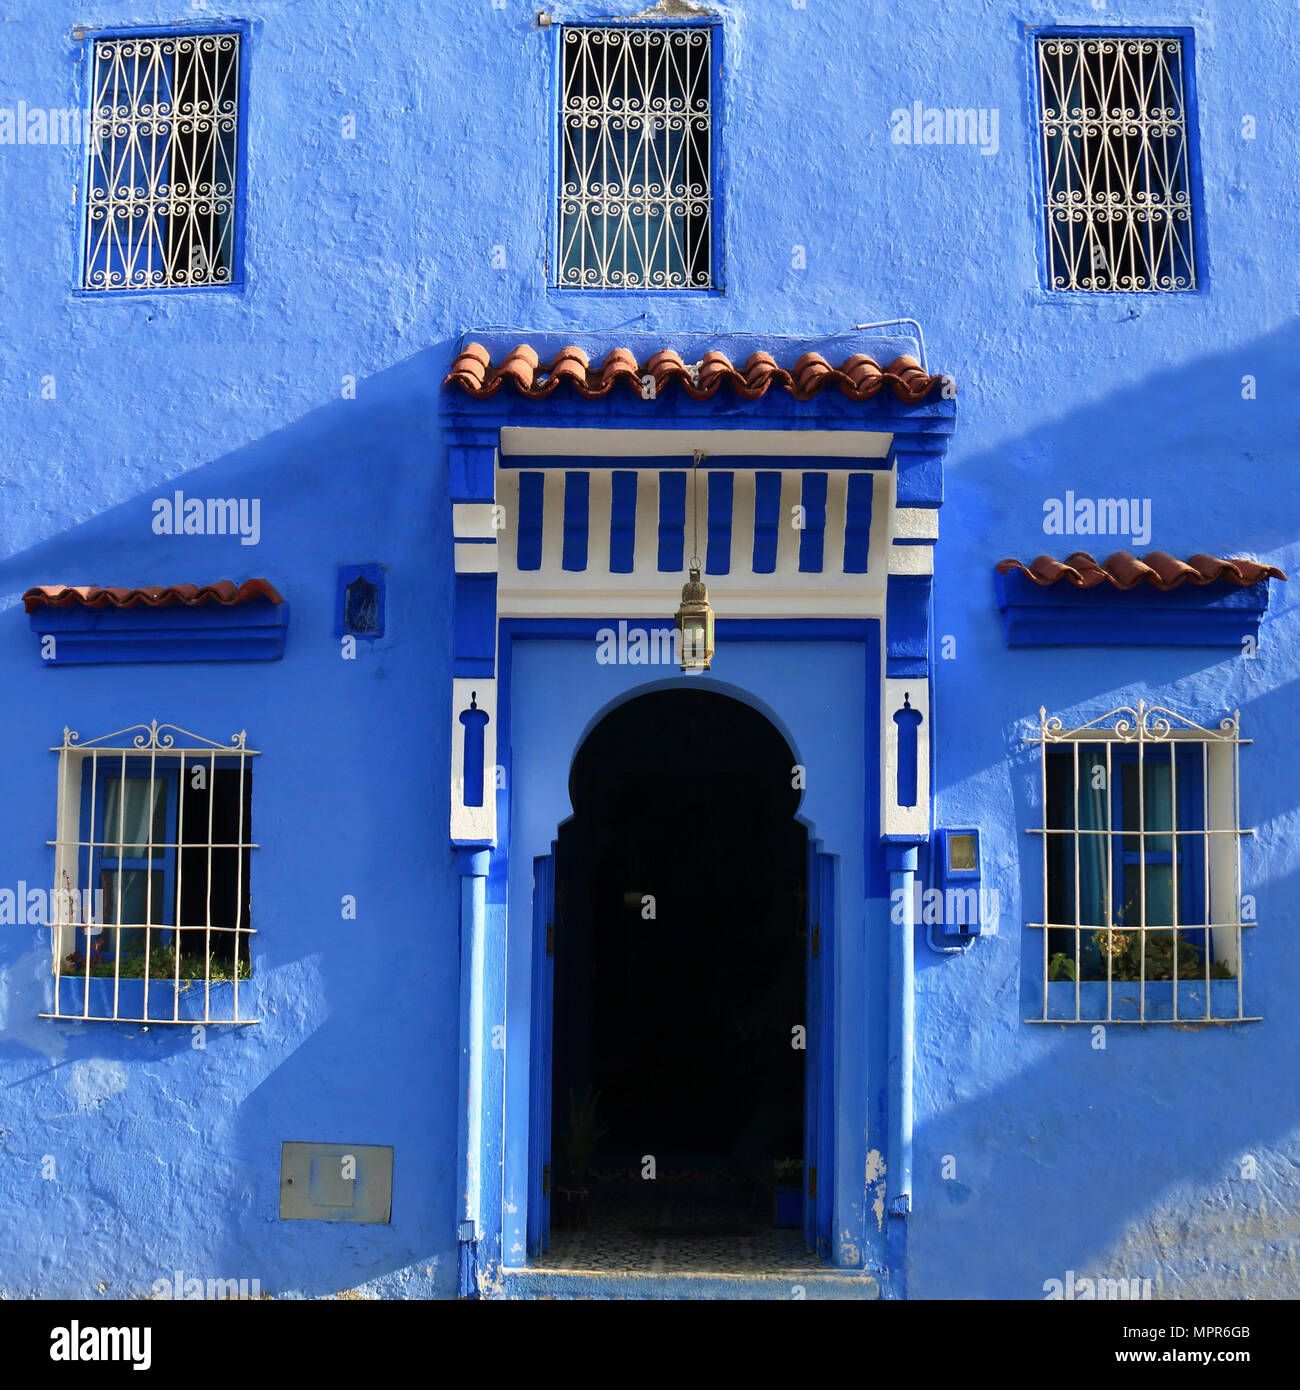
150 909
1143 914
1113 119
163 163
635 191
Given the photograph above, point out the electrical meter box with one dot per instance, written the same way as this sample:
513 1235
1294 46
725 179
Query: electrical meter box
959 877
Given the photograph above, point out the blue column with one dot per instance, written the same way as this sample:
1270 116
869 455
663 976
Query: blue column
473 865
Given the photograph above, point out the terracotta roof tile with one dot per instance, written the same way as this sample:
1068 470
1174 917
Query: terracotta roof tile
153 596
1123 570
858 377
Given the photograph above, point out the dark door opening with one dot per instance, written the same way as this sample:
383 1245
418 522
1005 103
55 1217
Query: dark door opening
680 957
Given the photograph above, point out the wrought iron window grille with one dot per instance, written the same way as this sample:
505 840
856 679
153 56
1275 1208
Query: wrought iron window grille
636 196
149 916
1142 906
164 157
1116 179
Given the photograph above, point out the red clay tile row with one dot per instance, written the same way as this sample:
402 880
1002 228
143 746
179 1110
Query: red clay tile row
224 591
1123 570
859 377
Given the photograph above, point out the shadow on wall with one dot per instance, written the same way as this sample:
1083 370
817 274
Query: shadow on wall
1037 1151
166 1152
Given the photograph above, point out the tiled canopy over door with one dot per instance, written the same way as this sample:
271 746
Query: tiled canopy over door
582 492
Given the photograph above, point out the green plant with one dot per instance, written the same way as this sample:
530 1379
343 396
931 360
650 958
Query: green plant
161 966
1129 960
585 1130
1061 967
789 1171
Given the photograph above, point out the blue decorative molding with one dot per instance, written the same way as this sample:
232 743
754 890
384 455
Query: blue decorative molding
907 625
474 635
672 521
250 631
532 493
767 520
577 505
1058 615
622 521
812 538
720 492
857 524
918 458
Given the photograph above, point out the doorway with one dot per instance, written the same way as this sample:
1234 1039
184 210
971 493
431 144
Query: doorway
679 997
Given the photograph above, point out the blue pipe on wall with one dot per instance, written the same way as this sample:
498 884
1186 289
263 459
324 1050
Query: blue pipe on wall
900 857
473 866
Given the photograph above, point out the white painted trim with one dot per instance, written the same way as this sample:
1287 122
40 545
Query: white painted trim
473 822
472 521
507 491
787 536
645 553
742 522
896 819
552 528
916 523
649 593
476 557
882 518
660 603
600 505
837 505
911 559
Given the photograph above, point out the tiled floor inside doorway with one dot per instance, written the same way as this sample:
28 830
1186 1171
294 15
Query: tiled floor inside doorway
672 1227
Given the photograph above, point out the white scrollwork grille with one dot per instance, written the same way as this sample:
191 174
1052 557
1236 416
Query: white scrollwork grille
163 163
635 194
149 913
1142 909
1113 118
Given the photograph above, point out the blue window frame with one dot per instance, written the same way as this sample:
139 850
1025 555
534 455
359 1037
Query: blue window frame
133 864
1126 862
169 858
1117 134
165 162
637 158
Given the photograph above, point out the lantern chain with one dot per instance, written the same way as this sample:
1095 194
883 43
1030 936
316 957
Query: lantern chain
695 511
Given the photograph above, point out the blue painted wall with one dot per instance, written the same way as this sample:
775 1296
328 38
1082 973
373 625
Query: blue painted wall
367 258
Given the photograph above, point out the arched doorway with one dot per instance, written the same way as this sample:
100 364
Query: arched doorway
677 956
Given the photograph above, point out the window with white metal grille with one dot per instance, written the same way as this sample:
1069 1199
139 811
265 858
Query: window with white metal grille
164 158
636 198
1113 122
150 909
1143 913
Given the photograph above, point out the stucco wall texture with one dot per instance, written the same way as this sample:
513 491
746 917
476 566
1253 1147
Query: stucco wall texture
369 250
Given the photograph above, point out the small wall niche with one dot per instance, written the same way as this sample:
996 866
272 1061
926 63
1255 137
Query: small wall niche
359 602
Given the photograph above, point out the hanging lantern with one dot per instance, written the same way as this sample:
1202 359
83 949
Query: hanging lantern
695 624
694 618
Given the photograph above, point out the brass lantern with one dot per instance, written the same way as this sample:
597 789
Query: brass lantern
694 618
695 624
